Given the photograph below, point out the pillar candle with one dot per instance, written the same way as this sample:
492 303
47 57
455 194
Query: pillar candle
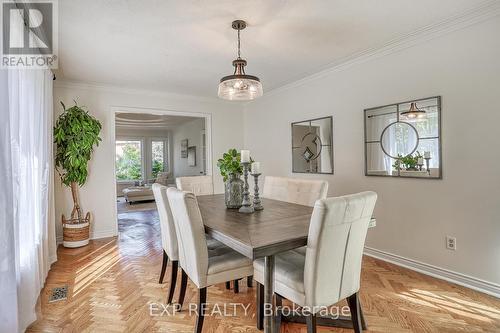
245 156
427 154
255 167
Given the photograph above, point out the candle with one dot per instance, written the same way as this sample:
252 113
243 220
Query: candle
255 168
427 154
245 156
420 161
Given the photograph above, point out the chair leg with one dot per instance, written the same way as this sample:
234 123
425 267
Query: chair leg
250 281
279 304
260 306
182 292
362 316
353 302
173 281
228 285
163 266
236 286
311 323
202 299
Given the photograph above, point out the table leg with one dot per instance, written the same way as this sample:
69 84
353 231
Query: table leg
268 294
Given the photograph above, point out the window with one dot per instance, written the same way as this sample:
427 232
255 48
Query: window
158 157
128 160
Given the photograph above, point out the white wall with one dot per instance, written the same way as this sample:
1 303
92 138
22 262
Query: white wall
464 68
98 194
191 131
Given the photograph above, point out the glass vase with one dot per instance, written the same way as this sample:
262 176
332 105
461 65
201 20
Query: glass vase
234 191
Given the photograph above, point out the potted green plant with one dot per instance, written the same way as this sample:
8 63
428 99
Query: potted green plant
231 170
76 133
408 162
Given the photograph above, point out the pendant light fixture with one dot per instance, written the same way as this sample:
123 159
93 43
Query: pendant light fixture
239 86
414 113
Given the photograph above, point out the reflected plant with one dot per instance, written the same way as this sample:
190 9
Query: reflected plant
408 162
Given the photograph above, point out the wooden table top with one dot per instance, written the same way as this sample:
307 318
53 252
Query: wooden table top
281 226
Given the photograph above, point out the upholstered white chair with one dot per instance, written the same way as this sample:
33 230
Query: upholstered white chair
199 185
331 268
168 236
201 266
169 239
300 191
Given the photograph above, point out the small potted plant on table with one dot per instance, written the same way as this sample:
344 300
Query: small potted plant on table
231 170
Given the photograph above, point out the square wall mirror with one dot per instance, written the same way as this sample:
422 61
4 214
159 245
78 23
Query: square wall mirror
312 146
404 139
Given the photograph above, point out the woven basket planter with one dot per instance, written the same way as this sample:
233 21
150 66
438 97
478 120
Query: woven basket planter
76 232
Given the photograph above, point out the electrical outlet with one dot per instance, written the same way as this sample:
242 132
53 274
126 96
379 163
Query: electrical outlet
451 243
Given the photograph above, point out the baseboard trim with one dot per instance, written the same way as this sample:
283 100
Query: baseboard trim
104 234
94 235
486 287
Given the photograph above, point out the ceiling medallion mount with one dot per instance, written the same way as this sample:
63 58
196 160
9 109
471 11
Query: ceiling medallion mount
239 86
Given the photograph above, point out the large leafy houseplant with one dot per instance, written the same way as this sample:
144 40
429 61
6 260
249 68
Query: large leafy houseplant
76 133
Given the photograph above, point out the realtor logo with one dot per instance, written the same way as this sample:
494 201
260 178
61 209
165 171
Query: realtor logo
29 38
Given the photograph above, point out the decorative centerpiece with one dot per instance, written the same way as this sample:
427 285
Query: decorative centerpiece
246 205
75 134
255 171
231 169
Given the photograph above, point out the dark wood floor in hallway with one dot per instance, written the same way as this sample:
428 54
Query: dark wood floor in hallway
113 285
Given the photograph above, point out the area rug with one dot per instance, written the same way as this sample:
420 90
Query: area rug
124 207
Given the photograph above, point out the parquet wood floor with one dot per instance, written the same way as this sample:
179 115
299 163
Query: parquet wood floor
113 281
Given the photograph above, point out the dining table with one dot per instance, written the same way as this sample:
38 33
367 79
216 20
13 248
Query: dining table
279 227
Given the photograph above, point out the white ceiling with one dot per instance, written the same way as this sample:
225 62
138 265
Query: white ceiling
149 121
187 46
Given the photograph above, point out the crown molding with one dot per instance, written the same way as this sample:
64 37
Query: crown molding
487 10
94 86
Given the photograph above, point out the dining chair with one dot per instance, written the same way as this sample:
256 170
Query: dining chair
203 185
169 239
295 190
199 185
201 266
331 268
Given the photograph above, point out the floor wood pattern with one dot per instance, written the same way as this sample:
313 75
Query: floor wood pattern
112 282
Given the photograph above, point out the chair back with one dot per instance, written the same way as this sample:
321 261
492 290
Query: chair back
199 185
193 252
300 191
335 246
167 226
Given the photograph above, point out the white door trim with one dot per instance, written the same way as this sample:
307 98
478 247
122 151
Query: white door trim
116 108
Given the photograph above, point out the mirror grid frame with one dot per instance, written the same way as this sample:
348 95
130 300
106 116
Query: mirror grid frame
331 145
398 105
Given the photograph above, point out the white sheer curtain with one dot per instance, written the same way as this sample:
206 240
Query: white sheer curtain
27 230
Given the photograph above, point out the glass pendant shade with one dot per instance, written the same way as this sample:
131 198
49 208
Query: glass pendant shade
239 86
414 113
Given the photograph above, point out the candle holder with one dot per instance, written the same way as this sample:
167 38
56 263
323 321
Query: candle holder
246 206
257 204
427 161
420 165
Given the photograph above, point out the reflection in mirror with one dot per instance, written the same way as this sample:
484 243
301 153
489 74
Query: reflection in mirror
403 140
312 146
